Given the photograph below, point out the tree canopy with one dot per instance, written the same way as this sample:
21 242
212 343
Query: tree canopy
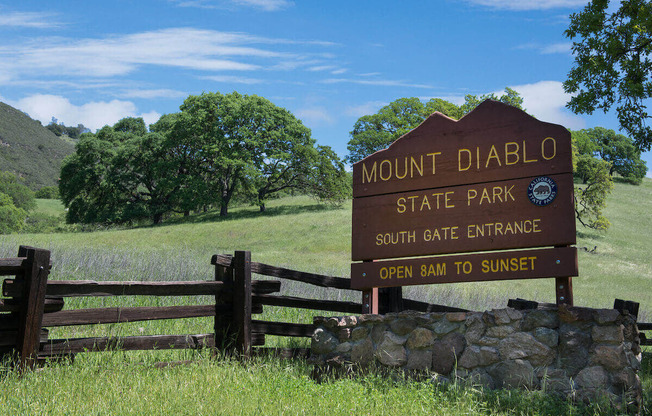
612 64
616 149
375 132
21 196
15 200
216 147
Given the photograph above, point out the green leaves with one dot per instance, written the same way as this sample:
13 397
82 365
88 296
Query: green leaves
612 64
12 218
375 132
218 146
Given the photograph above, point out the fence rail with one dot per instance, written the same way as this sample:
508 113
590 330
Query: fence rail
33 304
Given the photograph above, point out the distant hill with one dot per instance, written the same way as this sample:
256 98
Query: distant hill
29 149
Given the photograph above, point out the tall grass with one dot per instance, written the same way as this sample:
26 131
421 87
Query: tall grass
296 233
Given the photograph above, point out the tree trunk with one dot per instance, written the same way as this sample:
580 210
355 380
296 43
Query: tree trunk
262 207
186 213
224 209
158 218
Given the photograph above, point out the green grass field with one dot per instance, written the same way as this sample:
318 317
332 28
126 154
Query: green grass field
300 234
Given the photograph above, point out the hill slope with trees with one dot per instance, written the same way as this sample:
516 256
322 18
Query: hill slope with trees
29 150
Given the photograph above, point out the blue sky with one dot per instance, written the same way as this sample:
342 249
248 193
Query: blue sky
329 62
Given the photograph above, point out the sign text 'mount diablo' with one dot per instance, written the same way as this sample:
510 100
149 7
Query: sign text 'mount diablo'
480 217
494 142
497 179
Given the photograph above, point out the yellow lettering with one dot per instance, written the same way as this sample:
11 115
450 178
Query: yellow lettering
485 266
493 153
412 236
509 192
497 192
401 205
509 228
412 198
513 262
406 168
554 148
425 202
384 273
477 158
419 166
368 176
448 198
469 197
433 160
437 195
459 159
525 160
509 153
535 225
485 195
388 177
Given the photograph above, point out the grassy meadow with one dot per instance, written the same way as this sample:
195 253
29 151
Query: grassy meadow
300 234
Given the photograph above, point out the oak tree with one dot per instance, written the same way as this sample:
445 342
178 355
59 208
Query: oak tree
612 64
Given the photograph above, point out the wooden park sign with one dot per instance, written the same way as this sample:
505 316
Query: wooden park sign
497 179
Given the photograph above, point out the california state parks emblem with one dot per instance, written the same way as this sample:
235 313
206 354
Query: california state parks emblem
542 191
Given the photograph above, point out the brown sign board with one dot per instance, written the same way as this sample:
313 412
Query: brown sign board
476 267
494 142
459 219
497 179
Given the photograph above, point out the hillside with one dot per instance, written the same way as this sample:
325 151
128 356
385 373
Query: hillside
29 149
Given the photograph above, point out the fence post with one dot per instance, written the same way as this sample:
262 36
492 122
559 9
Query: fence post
35 275
224 319
242 301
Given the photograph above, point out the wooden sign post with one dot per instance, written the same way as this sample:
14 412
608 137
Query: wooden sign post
497 179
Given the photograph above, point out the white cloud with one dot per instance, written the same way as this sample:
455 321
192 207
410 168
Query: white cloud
266 5
370 107
546 100
231 79
29 19
377 82
322 68
152 93
314 115
196 49
530 4
150 117
93 115
564 48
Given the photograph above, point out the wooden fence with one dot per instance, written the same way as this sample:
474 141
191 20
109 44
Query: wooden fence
32 304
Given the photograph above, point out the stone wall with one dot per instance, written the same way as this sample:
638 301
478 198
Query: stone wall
578 352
